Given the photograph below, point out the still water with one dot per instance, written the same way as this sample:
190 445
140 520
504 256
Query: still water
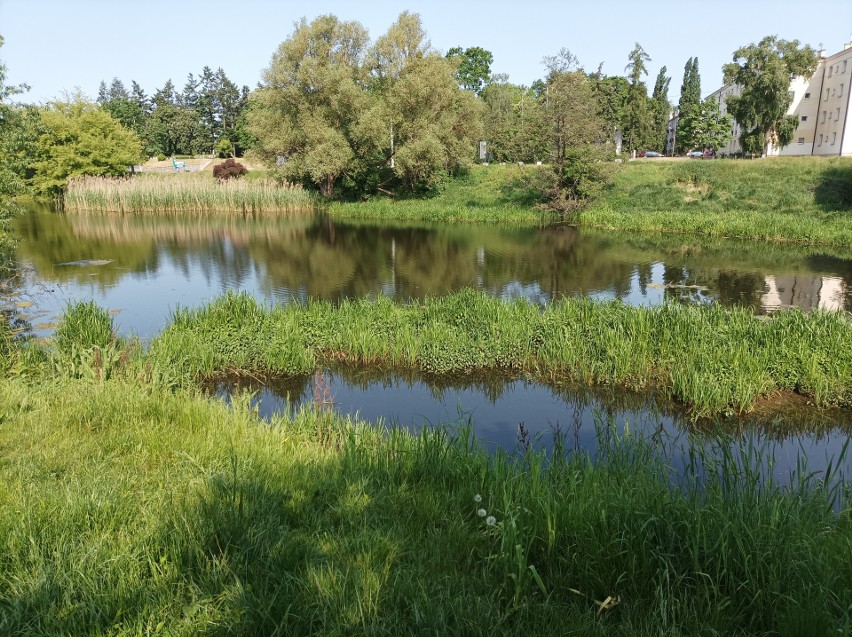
141 268
505 413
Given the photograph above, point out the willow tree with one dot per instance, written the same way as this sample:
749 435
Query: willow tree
764 71
310 100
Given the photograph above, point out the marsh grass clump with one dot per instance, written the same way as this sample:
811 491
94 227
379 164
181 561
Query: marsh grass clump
715 360
84 325
185 192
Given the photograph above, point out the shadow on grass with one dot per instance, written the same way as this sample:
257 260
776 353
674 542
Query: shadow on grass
834 190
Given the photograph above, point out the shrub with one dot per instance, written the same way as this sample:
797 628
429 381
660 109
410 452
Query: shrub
224 148
161 157
228 169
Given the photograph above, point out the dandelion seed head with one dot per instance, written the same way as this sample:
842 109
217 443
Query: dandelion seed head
490 520
481 513
477 498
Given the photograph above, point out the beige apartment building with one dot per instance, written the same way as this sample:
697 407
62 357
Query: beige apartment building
821 103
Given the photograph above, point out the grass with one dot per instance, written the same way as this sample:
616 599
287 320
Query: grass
714 360
185 192
482 195
126 509
793 199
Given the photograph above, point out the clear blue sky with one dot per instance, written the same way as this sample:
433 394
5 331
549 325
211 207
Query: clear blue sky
59 45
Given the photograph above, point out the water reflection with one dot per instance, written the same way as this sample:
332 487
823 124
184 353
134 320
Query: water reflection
155 263
496 407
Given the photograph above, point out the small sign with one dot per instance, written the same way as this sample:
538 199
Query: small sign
482 150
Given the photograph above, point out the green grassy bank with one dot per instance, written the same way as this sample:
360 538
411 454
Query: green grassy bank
126 509
792 199
711 358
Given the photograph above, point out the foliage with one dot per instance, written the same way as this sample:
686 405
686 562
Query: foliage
578 139
763 71
704 127
228 169
690 96
390 116
474 67
307 109
80 138
660 110
513 123
224 148
637 116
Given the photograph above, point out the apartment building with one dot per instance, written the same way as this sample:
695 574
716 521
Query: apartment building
820 102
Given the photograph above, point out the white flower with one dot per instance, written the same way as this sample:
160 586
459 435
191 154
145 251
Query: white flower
490 520
481 513
477 498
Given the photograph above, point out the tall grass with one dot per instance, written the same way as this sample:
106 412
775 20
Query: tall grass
712 359
199 193
130 511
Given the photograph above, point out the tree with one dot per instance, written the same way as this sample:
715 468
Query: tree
637 120
310 101
764 71
690 96
705 127
661 110
577 135
81 138
474 67
513 123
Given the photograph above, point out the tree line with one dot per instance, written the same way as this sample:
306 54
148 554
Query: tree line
357 118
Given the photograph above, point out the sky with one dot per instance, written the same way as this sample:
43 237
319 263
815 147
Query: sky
58 46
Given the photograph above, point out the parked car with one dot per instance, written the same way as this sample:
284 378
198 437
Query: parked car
651 153
695 153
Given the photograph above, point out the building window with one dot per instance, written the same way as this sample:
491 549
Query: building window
807 96
820 140
804 118
827 93
840 91
801 140
830 71
837 117
844 65
833 138
823 118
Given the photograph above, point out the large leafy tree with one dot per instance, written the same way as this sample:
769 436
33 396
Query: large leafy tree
474 67
705 127
81 138
513 123
690 96
312 96
763 70
637 117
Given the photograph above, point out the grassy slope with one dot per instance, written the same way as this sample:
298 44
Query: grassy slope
126 509
803 200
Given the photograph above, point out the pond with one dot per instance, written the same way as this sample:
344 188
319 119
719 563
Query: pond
141 268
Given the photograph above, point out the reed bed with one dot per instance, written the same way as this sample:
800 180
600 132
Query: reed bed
196 193
712 359
125 509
